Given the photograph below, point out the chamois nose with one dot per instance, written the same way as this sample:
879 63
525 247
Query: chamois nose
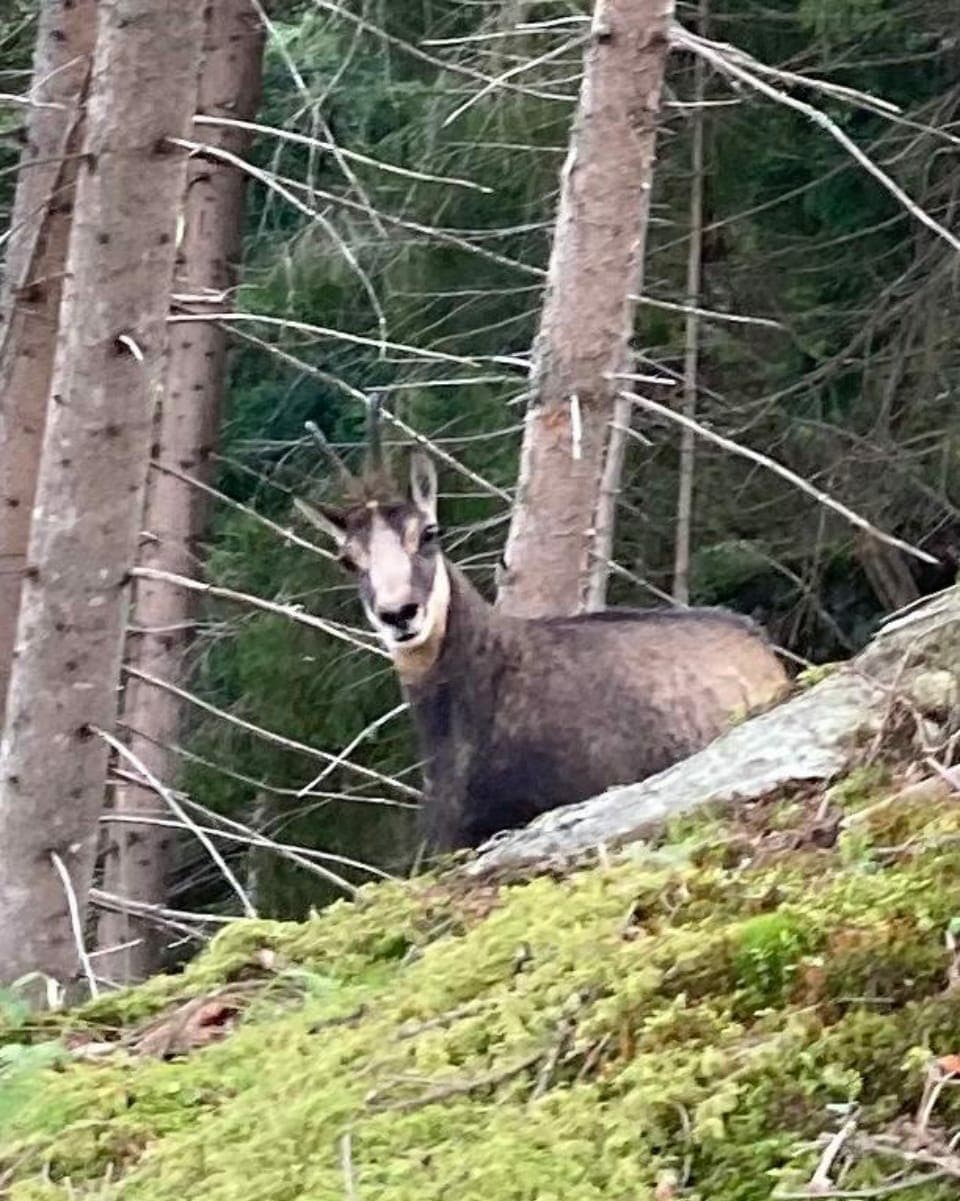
399 617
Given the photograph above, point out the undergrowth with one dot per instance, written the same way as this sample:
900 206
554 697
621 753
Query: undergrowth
682 1022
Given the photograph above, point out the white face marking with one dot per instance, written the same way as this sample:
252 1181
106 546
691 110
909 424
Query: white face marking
390 579
391 572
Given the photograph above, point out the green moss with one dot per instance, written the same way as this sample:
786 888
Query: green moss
561 1038
810 676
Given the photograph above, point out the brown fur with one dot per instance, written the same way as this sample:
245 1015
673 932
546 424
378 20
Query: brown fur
518 717
515 717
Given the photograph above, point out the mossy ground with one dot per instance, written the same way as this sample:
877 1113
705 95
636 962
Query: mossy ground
683 1022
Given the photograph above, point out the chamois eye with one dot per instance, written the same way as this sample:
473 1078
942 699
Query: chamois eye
347 563
429 536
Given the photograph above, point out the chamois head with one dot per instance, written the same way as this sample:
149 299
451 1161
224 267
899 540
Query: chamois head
387 538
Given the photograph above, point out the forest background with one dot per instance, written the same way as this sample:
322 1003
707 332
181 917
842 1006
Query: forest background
825 339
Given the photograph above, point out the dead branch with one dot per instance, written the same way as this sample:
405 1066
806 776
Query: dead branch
165 794
732 65
293 613
798 481
455 1088
289 744
76 924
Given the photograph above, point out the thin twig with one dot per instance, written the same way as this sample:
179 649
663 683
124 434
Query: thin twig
415 52
76 924
500 80
289 744
286 535
292 612
670 306
820 1181
346 1163
372 728
724 63
302 139
868 1194
323 331
285 851
206 150
415 436
455 1088
164 793
798 481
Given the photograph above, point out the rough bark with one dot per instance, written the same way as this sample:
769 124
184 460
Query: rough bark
887 572
691 336
33 280
89 497
596 265
815 736
138 858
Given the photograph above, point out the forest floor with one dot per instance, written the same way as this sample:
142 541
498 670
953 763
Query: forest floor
760 1005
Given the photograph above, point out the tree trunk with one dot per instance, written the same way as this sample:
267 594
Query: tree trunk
595 266
691 338
89 497
33 281
138 858
816 736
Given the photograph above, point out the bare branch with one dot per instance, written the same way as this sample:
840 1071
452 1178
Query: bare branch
175 807
500 80
414 435
76 924
302 139
294 854
352 745
341 335
415 52
670 306
288 536
724 63
205 150
745 452
289 744
291 612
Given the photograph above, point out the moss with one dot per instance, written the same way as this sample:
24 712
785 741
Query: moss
811 676
577 1037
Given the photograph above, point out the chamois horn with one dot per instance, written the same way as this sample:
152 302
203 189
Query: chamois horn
374 433
340 468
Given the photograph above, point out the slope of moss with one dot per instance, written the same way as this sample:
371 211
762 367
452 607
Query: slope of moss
683 1022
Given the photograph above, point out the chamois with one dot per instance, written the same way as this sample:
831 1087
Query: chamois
515 717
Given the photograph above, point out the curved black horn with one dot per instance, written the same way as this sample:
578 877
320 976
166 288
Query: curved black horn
374 434
338 465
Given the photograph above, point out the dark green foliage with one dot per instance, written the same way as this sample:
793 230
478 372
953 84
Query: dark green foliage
797 232
857 392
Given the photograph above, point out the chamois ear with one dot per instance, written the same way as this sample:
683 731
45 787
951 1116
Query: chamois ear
332 521
423 484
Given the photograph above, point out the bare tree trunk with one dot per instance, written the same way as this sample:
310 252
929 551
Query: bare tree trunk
887 573
596 265
691 351
89 497
138 858
33 281
605 523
